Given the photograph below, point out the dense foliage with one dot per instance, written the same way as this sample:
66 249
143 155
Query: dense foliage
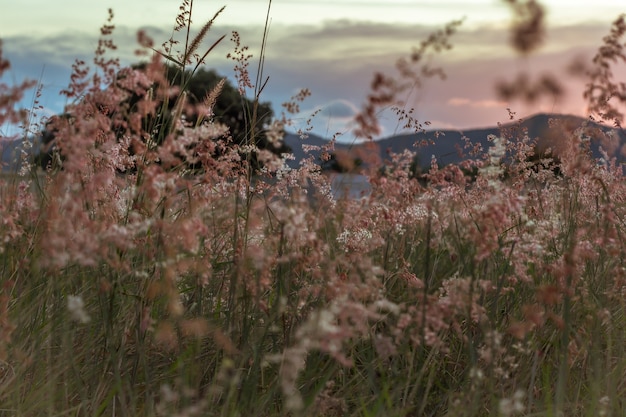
227 107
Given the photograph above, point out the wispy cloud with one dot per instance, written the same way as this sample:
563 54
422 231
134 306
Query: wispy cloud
466 102
337 59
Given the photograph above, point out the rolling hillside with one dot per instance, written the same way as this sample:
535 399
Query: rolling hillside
445 144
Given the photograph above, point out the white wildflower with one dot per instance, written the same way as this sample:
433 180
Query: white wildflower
76 307
512 406
416 212
476 374
497 151
493 170
604 406
275 133
355 239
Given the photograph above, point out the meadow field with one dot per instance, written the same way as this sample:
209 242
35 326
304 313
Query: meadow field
163 269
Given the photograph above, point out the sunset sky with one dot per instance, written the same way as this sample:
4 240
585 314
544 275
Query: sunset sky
330 46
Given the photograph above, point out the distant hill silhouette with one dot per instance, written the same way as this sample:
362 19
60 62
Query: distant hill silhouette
10 153
445 144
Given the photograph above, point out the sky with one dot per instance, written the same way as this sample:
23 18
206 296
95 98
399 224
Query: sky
332 47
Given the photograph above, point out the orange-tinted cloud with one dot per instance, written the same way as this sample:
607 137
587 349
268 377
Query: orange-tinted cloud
466 102
337 59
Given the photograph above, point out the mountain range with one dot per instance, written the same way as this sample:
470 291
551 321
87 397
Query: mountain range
445 144
442 144
10 153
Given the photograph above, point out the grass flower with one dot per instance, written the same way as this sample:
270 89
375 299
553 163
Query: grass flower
76 307
223 289
512 406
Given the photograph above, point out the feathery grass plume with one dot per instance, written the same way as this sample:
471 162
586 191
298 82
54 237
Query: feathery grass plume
530 91
211 98
527 34
219 293
183 21
528 27
195 43
10 96
241 57
601 90
386 90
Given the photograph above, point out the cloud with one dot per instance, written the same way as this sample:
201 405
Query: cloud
441 125
326 120
466 102
457 101
336 61
338 109
49 59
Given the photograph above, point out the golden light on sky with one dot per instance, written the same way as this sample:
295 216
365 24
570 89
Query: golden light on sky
45 16
330 46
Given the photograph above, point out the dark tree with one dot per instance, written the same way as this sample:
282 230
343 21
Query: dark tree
229 108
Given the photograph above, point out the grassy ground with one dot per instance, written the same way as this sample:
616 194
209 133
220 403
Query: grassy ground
158 293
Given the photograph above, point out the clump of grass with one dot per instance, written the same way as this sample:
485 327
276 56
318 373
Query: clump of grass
132 286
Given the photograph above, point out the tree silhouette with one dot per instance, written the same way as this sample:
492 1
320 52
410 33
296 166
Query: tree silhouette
229 108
